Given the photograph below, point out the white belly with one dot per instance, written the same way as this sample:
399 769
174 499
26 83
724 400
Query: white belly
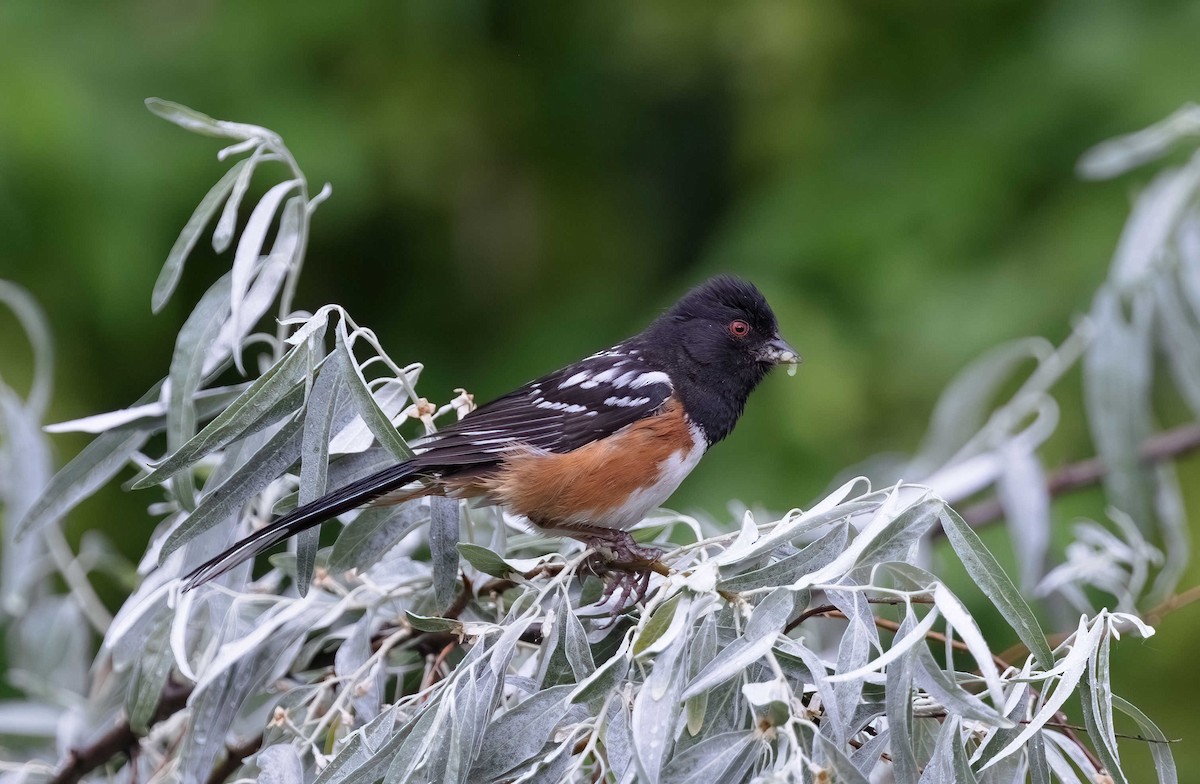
642 501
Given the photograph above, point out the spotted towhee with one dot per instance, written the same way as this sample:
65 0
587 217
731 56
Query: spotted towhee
588 450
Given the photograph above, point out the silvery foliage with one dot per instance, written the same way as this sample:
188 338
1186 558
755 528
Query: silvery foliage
1146 312
437 642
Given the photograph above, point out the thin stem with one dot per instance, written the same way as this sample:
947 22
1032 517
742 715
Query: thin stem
76 579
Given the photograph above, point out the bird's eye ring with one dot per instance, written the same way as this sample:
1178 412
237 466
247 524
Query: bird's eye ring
739 328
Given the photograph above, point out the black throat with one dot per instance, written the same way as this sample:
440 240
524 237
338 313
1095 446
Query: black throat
713 394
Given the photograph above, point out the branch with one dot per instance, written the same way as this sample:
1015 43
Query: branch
121 739
234 756
1159 448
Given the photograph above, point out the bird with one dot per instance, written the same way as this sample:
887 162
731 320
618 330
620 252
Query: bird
588 450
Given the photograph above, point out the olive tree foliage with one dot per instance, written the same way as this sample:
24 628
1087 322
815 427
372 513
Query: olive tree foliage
434 641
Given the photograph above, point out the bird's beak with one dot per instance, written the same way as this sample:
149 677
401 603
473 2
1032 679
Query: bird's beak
778 352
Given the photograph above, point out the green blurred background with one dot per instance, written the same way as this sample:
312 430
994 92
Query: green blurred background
516 184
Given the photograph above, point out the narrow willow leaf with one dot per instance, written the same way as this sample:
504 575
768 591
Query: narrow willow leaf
896 541
551 767
150 416
853 650
367 687
713 759
283 621
1117 380
884 514
37 329
430 624
655 710
575 645
408 755
274 394
1103 736
963 772
899 713
1160 747
829 510
227 223
1059 762
365 756
192 346
765 624
214 708
1175 531
443 547
868 757
517 736
1035 754
279 764
261 469
960 619
378 423
485 560
25 468
787 570
837 724
314 464
1114 157
172 269
1023 494
375 531
198 122
836 762
996 586
947 691
1179 339
1017 711
270 278
150 677
702 651
251 243
940 767
606 677
1156 215
1074 667
1097 682
87 472
900 646
657 626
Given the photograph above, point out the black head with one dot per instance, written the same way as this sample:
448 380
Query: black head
723 338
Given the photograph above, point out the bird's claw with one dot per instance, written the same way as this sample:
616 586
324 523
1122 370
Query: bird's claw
628 567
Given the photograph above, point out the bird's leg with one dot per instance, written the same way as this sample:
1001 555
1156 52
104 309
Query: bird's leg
627 563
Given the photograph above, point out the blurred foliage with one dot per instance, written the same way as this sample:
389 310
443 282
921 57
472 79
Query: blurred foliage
516 184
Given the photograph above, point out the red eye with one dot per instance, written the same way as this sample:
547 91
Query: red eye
739 328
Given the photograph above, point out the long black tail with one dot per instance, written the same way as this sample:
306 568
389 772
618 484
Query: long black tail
302 518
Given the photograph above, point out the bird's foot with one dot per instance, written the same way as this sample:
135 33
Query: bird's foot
627 565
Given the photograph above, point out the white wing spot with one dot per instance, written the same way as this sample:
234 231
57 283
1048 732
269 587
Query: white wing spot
575 379
601 378
653 377
626 402
570 408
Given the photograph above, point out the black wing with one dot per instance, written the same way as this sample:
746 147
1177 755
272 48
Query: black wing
556 413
